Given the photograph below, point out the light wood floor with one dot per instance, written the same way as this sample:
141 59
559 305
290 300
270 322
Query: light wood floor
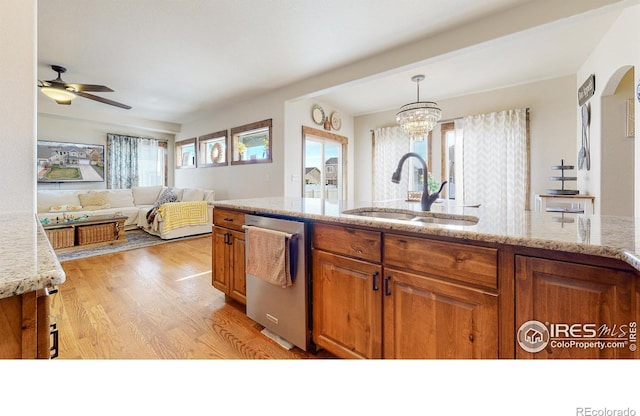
155 303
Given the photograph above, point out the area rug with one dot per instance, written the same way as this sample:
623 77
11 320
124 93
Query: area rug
135 239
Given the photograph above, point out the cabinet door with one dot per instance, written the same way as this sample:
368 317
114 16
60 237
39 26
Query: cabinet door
568 302
220 259
237 276
427 318
347 308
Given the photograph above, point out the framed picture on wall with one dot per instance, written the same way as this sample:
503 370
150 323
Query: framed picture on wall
69 162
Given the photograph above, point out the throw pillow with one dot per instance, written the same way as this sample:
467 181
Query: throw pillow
94 199
192 194
63 208
167 195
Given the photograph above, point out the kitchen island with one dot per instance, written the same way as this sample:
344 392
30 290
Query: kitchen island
29 272
512 285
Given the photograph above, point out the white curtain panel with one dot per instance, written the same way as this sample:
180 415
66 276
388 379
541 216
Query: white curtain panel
390 144
495 155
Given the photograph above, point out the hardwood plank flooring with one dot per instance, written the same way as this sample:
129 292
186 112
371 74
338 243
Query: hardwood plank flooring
156 303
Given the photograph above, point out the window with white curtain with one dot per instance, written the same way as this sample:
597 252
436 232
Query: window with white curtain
389 145
135 161
484 158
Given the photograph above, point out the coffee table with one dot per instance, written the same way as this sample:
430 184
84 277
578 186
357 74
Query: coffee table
93 231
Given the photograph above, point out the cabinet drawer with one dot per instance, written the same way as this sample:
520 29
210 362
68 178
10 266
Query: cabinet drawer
228 218
353 242
468 264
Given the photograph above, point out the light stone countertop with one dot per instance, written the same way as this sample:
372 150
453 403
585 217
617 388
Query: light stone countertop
599 235
28 262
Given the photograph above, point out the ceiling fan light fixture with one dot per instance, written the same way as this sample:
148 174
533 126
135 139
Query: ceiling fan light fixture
60 95
417 119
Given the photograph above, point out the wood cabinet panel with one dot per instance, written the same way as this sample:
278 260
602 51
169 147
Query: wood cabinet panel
24 326
466 263
352 242
428 318
228 263
565 296
347 308
228 218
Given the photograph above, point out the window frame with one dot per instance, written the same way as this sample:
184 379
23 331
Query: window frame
179 156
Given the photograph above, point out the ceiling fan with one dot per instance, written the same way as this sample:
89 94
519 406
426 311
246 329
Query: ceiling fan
63 93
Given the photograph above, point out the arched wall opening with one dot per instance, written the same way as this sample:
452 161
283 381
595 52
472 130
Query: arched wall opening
617 182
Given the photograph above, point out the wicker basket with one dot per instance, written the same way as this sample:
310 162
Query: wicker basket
60 237
97 233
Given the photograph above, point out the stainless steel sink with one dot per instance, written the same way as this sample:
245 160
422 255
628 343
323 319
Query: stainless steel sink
413 216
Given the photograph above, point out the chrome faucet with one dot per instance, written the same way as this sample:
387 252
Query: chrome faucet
427 200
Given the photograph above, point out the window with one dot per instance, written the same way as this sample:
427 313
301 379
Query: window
152 163
186 154
324 170
135 161
212 149
252 143
448 165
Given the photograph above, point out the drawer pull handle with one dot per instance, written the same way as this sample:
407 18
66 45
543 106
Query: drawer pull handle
229 219
471 337
53 332
387 291
375 280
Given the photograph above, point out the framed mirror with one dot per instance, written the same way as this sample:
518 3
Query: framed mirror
251 143
212 149
186 154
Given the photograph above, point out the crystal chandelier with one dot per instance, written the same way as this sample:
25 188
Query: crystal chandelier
418 118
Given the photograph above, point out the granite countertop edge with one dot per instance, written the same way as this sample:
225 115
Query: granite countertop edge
29 262
624 254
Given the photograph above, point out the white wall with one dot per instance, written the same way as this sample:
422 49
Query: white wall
552 125
614 55
617 181
17 104
56 128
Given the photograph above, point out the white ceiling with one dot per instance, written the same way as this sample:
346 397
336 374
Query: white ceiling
169 59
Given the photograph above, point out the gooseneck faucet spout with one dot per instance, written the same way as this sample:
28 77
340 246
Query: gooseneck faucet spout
427 200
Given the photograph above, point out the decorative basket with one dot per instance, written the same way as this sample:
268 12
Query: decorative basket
60 237
98 233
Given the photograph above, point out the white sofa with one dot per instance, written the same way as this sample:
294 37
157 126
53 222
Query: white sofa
133 203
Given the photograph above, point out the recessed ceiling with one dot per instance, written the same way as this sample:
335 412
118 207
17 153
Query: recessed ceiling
170 59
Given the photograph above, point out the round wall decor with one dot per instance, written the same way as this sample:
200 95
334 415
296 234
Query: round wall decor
317 114
217 154
336 121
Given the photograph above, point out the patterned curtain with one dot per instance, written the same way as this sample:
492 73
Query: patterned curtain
495 162
122 157
390 144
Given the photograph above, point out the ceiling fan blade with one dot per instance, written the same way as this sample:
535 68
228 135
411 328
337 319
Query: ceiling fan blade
103 100
88 87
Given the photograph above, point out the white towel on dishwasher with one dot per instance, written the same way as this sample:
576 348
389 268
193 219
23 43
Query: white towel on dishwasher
268 255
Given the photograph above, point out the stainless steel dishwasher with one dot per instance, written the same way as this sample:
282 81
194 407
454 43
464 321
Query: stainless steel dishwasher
283 311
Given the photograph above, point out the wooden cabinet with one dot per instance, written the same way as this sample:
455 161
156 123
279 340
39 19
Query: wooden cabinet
440 299
575 306
228 251
347 306
25 327
425 317
407 298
